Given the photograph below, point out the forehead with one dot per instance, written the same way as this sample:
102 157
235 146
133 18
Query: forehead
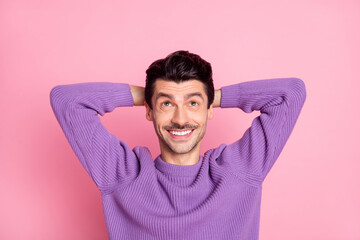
184 87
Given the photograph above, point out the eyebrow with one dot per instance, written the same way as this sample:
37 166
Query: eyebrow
171 97
160 94
195 94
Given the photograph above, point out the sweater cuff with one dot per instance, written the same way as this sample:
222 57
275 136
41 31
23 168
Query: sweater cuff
122 96
228 96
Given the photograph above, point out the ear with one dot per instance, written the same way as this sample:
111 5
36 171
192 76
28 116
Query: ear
148 112
210 112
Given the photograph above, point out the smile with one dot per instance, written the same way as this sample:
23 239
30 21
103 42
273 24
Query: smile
180 133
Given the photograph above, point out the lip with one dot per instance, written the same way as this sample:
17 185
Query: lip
180 137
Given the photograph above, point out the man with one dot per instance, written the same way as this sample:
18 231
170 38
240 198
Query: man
180 195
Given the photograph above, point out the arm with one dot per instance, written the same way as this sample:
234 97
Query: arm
280 102
76 107
138 95
217 98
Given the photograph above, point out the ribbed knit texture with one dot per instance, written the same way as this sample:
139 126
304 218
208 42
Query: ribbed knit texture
217 198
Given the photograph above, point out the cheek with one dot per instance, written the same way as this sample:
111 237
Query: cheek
199 117
161 118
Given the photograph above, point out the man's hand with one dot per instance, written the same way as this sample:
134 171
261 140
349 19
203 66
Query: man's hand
138 94
217 98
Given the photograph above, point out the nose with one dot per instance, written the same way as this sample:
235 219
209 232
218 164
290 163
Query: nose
180 116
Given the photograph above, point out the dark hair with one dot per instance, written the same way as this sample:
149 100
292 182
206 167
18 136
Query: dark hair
178 67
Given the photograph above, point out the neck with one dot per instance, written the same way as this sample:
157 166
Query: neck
189 158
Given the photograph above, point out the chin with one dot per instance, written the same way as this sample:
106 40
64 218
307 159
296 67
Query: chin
182 149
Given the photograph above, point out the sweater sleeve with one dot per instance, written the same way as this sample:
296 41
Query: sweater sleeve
76 106
279 102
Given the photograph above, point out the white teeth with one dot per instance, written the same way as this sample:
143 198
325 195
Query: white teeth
180 133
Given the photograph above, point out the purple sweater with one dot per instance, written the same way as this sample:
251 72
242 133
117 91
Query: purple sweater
217 198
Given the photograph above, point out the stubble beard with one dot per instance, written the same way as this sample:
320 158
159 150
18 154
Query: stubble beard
182 148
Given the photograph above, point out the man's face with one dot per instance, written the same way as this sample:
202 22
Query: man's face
179 114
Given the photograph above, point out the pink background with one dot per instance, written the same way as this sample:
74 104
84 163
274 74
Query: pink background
312 192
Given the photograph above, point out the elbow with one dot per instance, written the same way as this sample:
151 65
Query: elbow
297 89
299 85
55 93
57 96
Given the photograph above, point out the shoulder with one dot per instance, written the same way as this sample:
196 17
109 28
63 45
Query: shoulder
143 154
215 152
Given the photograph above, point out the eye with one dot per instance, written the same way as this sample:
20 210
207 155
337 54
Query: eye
193 104
166 104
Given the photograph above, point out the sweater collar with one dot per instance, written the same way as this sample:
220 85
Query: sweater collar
178 170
